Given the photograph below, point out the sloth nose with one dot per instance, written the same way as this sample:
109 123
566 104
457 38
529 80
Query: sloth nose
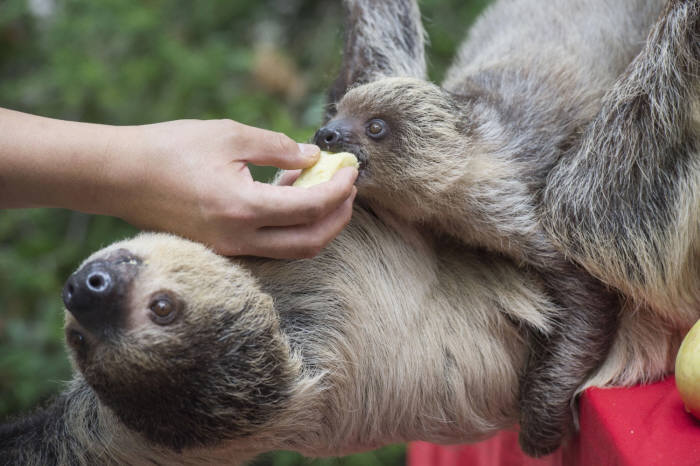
328 138
91 295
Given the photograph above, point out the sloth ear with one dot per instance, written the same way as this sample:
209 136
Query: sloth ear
383 38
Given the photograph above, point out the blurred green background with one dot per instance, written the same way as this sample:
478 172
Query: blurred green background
262 62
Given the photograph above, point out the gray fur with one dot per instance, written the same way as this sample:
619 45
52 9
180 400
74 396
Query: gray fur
470 159
634 220
626 202
377 47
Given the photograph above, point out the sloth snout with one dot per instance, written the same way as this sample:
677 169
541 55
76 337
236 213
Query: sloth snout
339 134
86 290
328 138
95 295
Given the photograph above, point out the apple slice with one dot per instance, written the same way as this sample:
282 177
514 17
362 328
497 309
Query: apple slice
323 170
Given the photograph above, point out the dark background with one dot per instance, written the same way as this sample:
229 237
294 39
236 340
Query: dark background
264 63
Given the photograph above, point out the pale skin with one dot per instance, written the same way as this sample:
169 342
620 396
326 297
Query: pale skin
188 177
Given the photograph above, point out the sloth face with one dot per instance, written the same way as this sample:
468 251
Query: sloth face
398 116
177 341
407 134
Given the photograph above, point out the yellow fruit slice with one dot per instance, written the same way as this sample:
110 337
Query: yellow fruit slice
325 168
688 370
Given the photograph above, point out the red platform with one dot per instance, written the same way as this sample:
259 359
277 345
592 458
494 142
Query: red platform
638 426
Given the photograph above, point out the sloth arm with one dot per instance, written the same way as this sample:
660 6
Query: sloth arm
626 203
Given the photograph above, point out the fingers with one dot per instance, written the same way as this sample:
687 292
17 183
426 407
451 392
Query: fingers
287 178
269 148
288 206
303 241
278 221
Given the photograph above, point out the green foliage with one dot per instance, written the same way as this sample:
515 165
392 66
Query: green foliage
38 250
141 61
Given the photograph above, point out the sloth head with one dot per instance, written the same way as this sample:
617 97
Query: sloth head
407 134
178 342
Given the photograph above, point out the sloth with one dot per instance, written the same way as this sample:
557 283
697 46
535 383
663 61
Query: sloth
471 159
186 357
396 331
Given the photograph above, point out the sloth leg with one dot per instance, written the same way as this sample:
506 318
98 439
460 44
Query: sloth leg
562 361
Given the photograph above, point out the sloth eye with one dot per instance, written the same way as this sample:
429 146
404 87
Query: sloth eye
163 309
76 339
376 129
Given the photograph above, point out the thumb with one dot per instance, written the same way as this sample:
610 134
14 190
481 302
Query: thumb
269 148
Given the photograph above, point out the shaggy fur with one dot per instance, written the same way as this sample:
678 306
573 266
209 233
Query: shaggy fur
392 333
633 219
339 387
471 159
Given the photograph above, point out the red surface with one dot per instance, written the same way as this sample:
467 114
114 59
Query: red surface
638 426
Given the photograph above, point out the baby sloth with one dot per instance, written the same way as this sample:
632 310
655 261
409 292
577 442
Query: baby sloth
471 159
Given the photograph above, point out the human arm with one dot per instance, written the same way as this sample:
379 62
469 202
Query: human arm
188 177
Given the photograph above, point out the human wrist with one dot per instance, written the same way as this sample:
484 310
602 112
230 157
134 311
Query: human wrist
144 184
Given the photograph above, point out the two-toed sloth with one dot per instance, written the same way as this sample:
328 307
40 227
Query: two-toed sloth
500 158
564 145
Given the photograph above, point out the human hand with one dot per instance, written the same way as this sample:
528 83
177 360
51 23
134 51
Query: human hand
190 177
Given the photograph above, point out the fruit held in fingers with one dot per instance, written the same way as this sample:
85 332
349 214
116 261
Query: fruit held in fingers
323 170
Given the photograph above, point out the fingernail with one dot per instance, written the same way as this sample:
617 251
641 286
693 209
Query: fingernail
309 150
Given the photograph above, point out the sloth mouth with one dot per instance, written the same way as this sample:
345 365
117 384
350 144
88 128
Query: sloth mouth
338 137
358 151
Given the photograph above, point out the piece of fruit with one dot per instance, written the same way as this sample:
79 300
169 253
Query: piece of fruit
325 168
688 370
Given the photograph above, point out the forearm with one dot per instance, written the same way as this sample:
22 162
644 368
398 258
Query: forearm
53 163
